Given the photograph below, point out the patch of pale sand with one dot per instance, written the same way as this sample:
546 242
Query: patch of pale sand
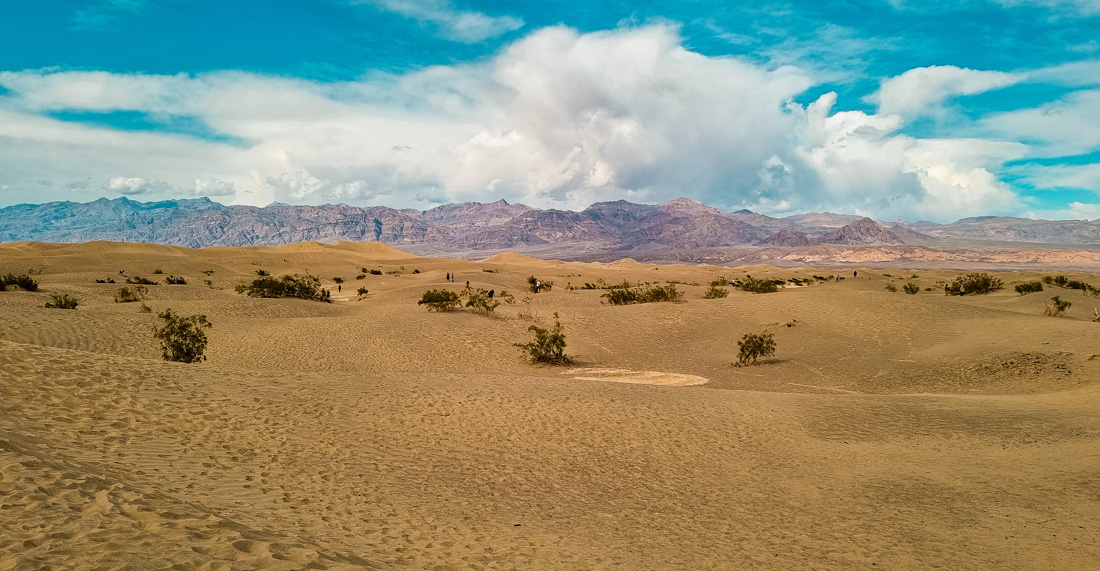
636 377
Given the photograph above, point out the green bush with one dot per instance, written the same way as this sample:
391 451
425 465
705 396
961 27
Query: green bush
973 284
439 300
715 292
62 301
1057 307
548 346
375 272
753 346
362 291
644 294
140 281
338 280
304 287
1029 287
127 295
173 280
182 339
23 281
360 276
751 284
482 303
891 288
106 281
910 288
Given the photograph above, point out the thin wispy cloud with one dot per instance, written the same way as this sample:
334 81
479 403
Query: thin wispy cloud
451 22
102 13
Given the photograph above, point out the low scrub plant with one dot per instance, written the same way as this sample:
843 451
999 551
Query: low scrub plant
910 288
62 301
440 300
548 346
1029 287
754 285
1056 307
973 284
127 295
338 280
753 346
173 280
891 288
262 272
304 287
158 271
106 281
362 291
182 339
534 285
23 281
643 294
141 281
481 302
715 292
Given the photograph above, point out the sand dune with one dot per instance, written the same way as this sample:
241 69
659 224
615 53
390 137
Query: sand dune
889 430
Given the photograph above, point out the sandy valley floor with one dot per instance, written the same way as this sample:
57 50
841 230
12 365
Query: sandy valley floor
890 430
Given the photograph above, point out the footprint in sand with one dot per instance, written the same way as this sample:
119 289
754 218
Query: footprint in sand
636 377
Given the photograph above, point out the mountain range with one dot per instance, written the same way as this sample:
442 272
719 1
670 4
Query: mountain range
678 229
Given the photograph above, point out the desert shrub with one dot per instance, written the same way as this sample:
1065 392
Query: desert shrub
338 280
506 297
891 288
1056 307
1029 287
715 292
360 276
489 270
546 285
362 291
973 284
182 339
416 270
751 284
262 272
375 272
208 272
753 346
721 281
1074 284
910 288
127 295
304 287
141 281
158 271
548 346
1059 281
646 294
173 280
439 300
106 281
62 301
481 302
145 308
209 283
23 281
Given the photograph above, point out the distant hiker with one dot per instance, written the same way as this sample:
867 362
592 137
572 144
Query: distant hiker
855 273
491 292
538 286
838 278
339 288
448 276
467 284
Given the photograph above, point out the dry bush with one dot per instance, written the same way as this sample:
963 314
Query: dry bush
753 346
548 346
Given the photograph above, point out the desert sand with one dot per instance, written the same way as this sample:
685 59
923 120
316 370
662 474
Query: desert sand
888 431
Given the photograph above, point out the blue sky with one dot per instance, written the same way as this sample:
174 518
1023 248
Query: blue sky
888 108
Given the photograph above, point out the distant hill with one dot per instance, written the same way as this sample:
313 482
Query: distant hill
619 227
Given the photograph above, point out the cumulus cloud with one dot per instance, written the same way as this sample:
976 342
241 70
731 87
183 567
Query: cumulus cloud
923 90
556 119
131 186
1064 127
454 24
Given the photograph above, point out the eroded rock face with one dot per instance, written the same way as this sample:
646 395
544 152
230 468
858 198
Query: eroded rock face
862 231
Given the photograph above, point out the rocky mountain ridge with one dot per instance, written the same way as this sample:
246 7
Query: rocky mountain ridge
618 227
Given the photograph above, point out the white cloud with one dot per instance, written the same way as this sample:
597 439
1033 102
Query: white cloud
131 186
923 90
213 187
454 24
1064 127
1086 7
557 119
